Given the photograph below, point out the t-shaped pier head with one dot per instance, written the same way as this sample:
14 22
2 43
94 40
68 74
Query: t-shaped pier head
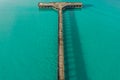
60 6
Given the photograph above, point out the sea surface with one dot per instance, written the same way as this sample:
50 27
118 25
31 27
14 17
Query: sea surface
29 43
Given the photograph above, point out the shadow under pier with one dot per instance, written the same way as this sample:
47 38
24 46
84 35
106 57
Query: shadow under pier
75 68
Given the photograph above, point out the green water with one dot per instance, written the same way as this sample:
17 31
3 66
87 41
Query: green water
28 41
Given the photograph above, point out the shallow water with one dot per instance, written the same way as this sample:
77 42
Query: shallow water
28 41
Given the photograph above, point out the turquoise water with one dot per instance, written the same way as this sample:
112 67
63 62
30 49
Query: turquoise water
28 41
